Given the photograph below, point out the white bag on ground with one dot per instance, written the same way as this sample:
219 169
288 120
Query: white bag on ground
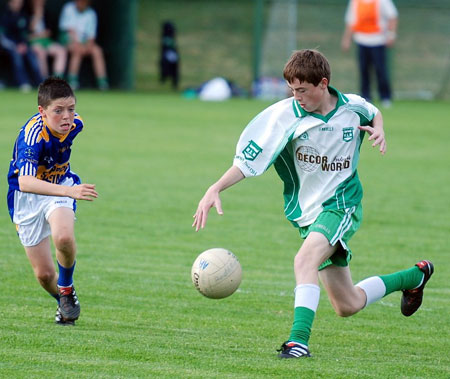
216 89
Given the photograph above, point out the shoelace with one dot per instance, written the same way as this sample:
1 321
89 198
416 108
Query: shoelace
71 296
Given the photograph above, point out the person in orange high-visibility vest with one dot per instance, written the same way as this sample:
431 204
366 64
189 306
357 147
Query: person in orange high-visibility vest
373 26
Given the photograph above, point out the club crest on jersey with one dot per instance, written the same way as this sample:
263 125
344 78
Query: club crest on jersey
251 151
347 134
29 153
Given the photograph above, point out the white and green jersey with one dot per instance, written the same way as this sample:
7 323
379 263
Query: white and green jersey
316 156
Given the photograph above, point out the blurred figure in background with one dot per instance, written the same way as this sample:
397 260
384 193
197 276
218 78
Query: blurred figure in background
14 40
78 25
373 25
42 43
169 61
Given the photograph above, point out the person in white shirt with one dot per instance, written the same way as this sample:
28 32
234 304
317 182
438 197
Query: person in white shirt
313 140
78 24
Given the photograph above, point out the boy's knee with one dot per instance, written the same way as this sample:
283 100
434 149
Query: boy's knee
64 242
305 260
45 277
76 51
345 310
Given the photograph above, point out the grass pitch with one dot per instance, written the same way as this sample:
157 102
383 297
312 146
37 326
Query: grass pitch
152 157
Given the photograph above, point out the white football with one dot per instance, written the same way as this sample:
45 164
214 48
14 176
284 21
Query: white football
216 273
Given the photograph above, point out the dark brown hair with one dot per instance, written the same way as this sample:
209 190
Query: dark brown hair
53 88
307 66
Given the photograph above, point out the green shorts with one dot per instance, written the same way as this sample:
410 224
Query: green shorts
64 38
44 42
337 226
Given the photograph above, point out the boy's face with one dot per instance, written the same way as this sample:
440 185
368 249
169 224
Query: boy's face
308 95
59 115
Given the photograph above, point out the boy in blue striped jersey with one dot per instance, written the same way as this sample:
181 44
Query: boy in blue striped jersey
43 192
313 141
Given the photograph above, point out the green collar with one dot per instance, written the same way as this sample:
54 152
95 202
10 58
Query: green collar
300 112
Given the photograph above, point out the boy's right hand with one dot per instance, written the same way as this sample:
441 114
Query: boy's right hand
209 200
211 197
83 192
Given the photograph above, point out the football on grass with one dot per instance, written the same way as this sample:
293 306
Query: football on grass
216 273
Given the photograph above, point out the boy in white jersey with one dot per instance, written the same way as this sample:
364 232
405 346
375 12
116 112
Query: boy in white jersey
43 192
313 141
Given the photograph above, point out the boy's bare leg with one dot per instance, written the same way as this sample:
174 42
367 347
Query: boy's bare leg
76 55
59 59
62 224
99 66
98 61
314 251
40 257
346 298
41 55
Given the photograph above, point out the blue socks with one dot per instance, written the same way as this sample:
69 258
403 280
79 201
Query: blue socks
56 296
65 278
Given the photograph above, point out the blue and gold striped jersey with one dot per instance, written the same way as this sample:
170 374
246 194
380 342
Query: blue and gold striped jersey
41 153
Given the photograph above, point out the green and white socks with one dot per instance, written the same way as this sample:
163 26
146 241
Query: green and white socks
377 287
306 303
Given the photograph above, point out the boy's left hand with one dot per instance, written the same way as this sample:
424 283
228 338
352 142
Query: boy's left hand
83 192
377 136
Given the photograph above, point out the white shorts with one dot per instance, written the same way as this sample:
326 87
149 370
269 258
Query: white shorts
31 213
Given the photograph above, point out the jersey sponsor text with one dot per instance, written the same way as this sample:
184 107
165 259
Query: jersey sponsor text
309 160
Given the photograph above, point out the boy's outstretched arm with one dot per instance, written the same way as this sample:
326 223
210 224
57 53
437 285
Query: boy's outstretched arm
376 132
212 199
28 183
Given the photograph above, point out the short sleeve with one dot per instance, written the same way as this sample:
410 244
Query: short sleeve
91 28
389 9
365 110
65 20
264 138
27 156
349 14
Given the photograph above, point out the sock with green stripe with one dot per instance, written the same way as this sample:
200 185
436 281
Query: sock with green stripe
306 303
376 287
403 280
